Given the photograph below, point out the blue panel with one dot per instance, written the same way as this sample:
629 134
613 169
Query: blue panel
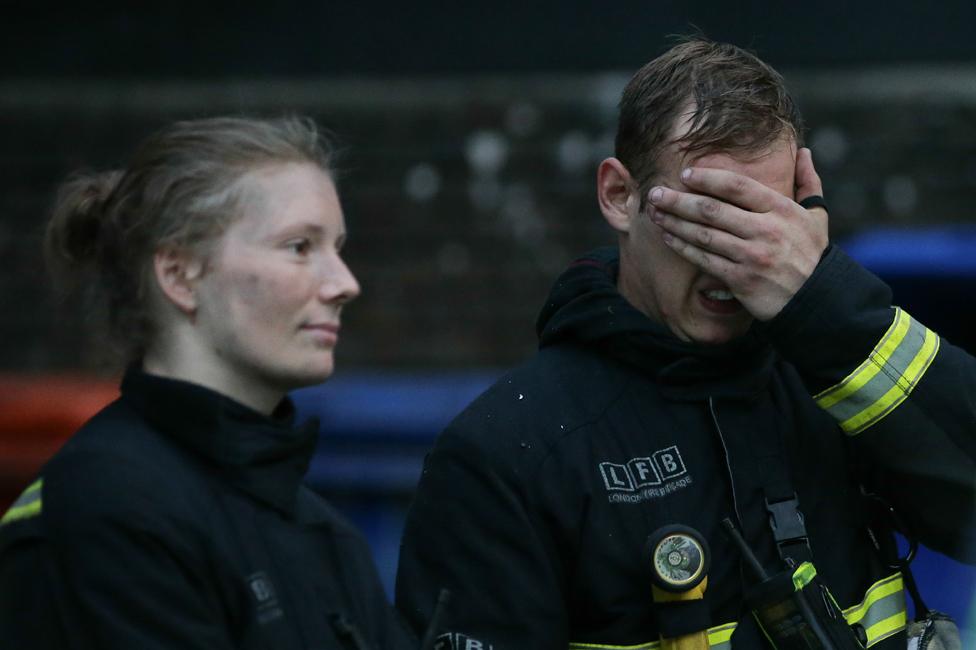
376 427
391 405
945 585
944 251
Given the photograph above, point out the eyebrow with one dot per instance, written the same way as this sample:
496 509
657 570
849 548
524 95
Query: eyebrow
307 227
310 228
301 228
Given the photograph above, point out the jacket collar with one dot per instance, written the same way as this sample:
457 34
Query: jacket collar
585 307
265 456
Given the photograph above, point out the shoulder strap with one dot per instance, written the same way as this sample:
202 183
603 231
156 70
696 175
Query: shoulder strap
782 505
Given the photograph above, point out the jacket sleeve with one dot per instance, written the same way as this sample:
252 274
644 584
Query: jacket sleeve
115 569
905 396
471 531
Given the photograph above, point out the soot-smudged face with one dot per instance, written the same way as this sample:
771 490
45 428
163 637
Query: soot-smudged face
695 306
271 297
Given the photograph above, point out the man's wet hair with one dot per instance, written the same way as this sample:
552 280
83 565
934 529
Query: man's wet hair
735 103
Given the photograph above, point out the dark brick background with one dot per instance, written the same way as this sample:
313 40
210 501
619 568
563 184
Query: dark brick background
464 198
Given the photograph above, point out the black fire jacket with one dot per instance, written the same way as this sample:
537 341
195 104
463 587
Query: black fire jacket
537 501
176 518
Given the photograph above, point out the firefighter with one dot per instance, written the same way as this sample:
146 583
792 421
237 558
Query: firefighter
724 361
177 517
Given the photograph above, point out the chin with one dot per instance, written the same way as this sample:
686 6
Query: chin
320 374
718 336
309 375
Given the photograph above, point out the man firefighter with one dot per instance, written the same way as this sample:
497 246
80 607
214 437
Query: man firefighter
724 361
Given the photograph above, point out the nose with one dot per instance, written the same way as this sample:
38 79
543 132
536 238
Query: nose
337 285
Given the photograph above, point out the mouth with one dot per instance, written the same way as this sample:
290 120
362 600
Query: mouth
326 333
719 301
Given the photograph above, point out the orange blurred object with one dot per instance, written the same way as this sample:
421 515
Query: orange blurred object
38 413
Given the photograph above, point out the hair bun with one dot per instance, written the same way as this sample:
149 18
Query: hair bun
75 228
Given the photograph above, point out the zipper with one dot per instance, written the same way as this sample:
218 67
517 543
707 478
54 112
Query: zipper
728 461
347 631
828 602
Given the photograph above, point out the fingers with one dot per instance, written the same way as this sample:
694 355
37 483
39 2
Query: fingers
703 237
704 210
807 180
707 261
740 190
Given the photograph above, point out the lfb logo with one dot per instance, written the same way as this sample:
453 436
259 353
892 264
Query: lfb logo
644 471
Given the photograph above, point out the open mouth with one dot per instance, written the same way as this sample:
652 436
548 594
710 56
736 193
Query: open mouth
720 301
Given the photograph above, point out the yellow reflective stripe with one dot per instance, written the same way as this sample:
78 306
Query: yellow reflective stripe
21 512
882 612
890 585
654 645
885 379
869 368
886 627
719 638
27 505
33 487
803 575
897 394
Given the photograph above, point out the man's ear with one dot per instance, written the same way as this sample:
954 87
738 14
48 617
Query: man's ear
617 193
177 272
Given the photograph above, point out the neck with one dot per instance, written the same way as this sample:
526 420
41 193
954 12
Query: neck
184 362
629 286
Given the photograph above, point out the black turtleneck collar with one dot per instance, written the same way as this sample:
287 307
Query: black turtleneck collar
585 306
266 457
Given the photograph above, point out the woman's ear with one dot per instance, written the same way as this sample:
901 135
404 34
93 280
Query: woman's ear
177 272
617 194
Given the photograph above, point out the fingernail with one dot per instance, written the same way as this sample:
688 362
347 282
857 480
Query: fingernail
668 238
656 194
686 173
656 216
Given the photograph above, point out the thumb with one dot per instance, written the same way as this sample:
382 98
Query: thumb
806 180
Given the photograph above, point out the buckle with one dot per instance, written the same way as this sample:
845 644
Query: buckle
786 520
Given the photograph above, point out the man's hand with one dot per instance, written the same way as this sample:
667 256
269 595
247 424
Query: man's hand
761 244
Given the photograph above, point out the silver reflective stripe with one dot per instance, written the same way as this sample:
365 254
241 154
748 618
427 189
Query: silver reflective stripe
882 613
885 379
28 504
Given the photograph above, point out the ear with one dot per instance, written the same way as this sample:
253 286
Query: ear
177 272
617 193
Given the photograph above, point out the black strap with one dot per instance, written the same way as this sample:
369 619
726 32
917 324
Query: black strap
680 617
814 201
768 449
782 505
921 610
